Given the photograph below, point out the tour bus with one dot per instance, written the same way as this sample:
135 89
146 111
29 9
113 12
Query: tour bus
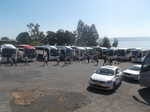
65 51
112 53
78 52
98 50
27 50
103 51
138 55
145 72
123 54
7 51
145 52
51 52
89 51
69 51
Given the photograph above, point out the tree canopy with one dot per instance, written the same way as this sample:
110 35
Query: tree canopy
115 43
86 35
23 38
105 42
5 39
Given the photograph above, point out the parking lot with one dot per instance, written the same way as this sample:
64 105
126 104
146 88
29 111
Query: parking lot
67 89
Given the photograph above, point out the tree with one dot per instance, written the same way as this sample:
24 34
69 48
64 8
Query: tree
5 39
41 37
23 38
34 31
60 37
70 38
50 38
115 43
86 35
92 40
79 31
105 42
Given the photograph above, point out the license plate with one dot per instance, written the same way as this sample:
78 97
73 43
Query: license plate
98 84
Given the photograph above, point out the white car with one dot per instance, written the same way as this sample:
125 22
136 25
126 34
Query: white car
133 72
106 77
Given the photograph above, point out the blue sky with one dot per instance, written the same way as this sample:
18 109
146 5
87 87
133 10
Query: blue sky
113 18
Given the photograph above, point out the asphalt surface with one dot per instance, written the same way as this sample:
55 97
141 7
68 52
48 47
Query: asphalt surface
68 84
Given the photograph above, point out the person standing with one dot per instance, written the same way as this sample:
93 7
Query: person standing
97 59
13 60
105 60
25 57
88 58
58 60
110 61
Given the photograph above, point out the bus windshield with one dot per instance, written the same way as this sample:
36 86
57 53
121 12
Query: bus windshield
121 52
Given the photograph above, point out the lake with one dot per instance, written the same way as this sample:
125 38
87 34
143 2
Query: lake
136 42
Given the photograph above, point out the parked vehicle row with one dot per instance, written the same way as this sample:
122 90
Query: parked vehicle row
108 77
75 52
17 52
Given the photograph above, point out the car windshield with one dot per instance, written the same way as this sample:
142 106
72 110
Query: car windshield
135 68
105 71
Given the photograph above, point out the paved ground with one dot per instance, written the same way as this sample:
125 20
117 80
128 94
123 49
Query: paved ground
68 85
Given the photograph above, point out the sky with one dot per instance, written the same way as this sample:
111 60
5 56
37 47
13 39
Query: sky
113 18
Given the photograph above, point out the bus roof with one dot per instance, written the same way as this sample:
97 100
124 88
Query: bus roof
10 46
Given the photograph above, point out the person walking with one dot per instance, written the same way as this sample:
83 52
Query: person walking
96 59
88 58
58 60
25 57
45 59
110 61
105 60
13 60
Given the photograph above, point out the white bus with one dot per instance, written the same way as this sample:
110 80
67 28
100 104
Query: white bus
51 51
138 55
7 51
123 54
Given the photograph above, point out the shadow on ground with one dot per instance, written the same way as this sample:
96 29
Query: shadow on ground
144 96
100 91
130 80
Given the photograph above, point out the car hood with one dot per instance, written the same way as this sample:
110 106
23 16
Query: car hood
100 77
132 72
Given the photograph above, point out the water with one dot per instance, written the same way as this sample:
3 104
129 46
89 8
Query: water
136 42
